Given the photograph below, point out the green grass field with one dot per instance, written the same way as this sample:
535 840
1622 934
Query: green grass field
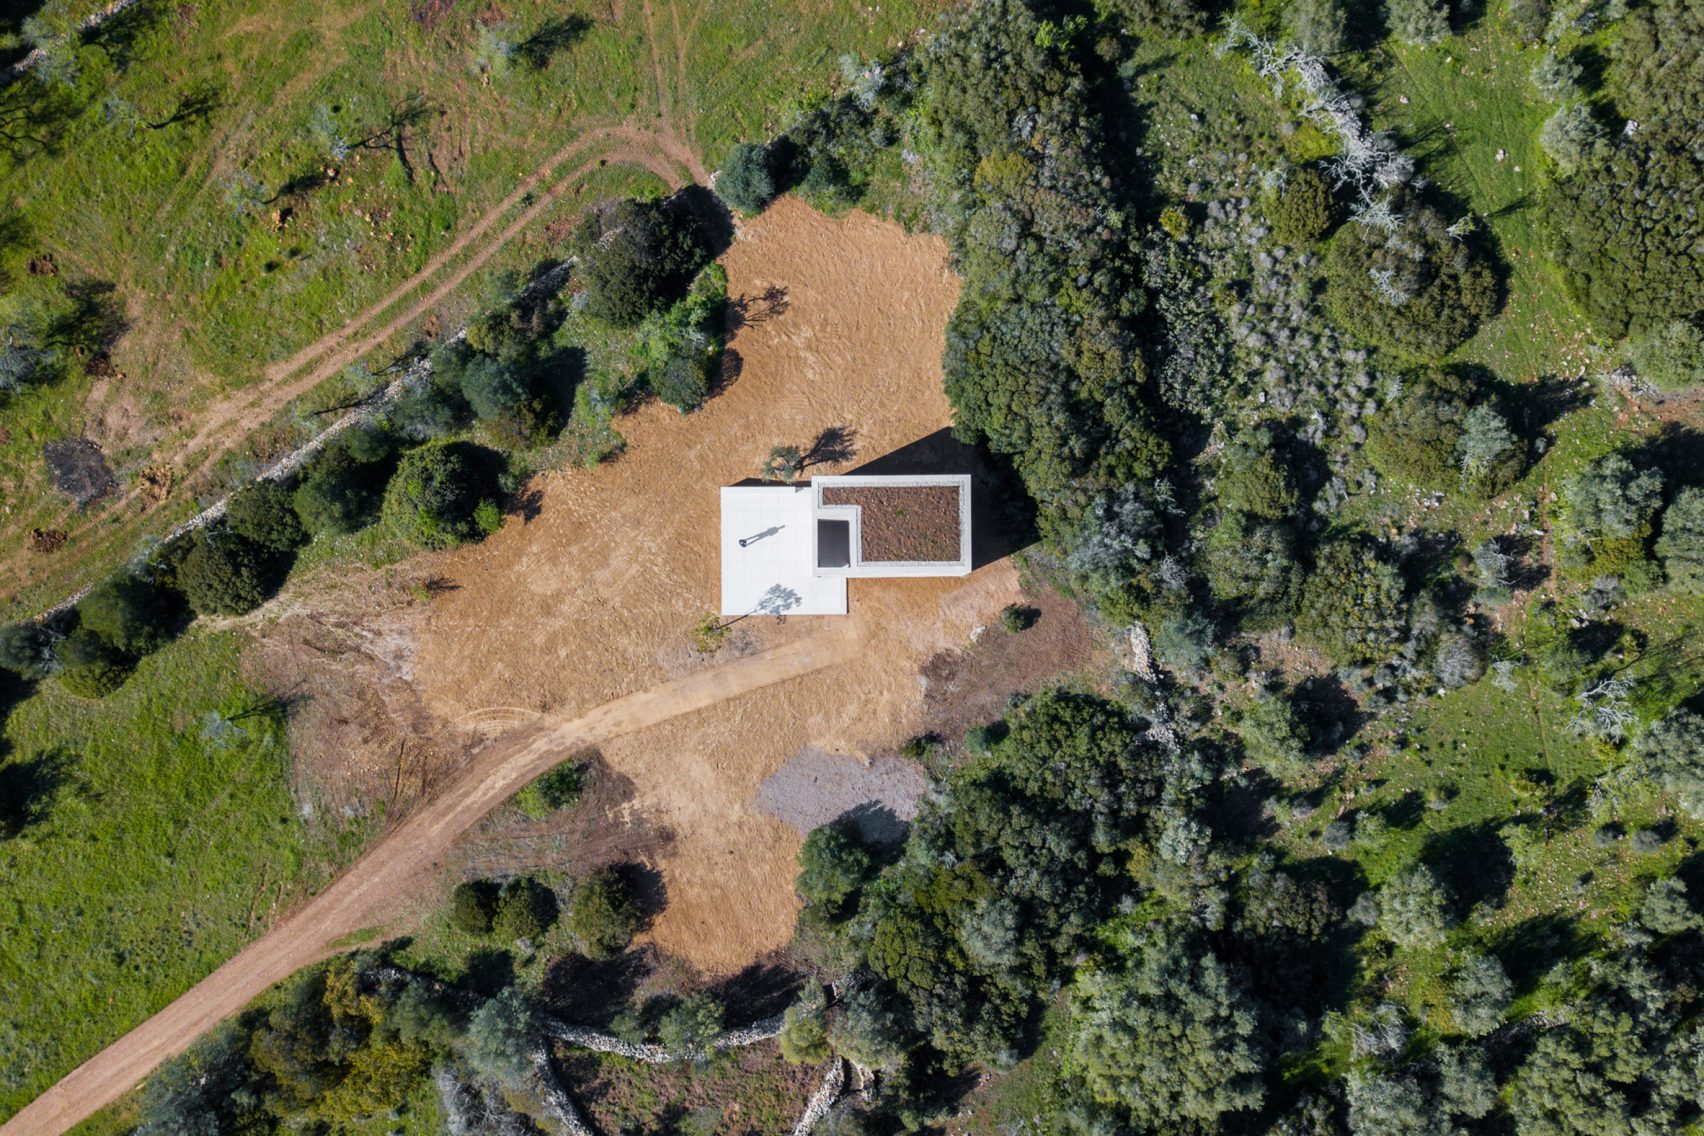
167 837
192 173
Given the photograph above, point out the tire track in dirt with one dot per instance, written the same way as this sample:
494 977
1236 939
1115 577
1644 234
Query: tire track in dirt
360 898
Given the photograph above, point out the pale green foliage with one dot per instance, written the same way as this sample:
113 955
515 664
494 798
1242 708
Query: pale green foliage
1274 736
1671 751
745 180
1610 498
1665 908
1318 27
1681 544
1171 1040
690 1027
1417 22
1556 75
1479 994
1670 355
502 1038
1413 910
1488 452
867 1029
1572 137
804 1034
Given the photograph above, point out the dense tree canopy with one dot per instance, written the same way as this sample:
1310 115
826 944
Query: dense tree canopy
636 257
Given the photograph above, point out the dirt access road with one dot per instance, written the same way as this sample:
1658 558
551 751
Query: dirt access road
365 894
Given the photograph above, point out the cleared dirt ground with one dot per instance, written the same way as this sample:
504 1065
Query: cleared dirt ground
594 596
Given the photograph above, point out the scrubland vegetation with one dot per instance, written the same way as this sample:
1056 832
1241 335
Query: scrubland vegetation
1351 355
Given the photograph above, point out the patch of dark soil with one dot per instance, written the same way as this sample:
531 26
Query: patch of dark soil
79 470
747 1091
973 686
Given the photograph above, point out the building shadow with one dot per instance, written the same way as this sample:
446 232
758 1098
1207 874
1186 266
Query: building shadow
1002 516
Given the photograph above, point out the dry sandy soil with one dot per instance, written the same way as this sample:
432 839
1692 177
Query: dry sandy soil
594 596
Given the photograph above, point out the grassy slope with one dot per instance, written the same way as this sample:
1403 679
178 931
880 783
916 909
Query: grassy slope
214 290
166 847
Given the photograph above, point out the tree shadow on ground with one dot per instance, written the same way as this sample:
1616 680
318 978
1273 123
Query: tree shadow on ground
1332 715
1529 949
29 788
761 990
552 38
593 991
1002 516
1472 862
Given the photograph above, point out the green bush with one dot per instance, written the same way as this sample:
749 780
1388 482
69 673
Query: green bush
1572 137
132 613
1489 454
804 1035
746 180
1252 566
335 495
636 257
683 346
26 649
264 512
1681 544
1611 498
89 666
1302 211
525 910
1318 27
601 916
690 1027
1670 355
227 574
1252 479
1274 735
1657 62
1415 289
1624 228
473 906
436 490
1418 22
1354 604
1414 438
555 789
833 864
1671 752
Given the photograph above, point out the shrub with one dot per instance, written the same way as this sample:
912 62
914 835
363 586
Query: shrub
746 180
1418 22
1528 19
89 666
555 789
1480 992
264 512
1415 288
601 916
1274 735
1302 211
1183 640
1657 62
473 906
1253 480
1681 544
26 649
436 489
1671 751
1253 567
525 910
131 612
1318 27
1572 137
1611 498
1671 355
226 574
1413 909
1491 457
1178 19
636 257
336 495
804 1035
502 1036
683 346
1416 438
1172 1040
1624 228
690 1027
1015 618
494 388
1556 75
784 463
833 864
1354 603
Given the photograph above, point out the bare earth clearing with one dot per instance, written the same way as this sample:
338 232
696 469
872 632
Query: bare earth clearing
543 634
594 596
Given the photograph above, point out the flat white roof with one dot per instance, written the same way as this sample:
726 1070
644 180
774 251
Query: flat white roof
774 573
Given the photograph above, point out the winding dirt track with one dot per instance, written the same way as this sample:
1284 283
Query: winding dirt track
353 902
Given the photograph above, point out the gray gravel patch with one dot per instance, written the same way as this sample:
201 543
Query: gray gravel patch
879 797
